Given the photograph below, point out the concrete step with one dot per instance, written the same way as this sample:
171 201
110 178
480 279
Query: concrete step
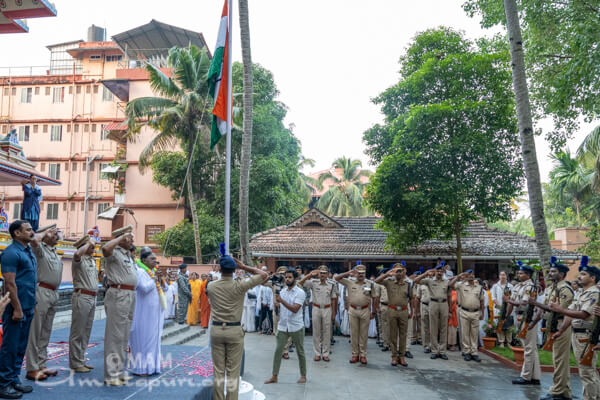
181 334
171 329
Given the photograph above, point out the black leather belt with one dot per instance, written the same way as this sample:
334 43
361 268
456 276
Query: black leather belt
424 303
520 312
439 301
216 323
580 330
469 309
385 304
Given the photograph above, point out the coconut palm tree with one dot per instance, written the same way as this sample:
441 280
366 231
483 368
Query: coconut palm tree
571 177
345 196
525 124
589 154
178 115
307 185
247 132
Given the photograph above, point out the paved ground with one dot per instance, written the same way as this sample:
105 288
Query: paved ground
422 379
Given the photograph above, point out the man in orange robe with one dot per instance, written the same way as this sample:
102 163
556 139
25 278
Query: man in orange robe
204 303
192 315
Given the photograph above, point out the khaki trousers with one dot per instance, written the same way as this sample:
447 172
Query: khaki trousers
385 334
409 328
589 375
561 350
227 348
119 305
425 331
398 327
469 331
531 359
359 330
504 337
438 324
321 320
416 329
84 307
41 328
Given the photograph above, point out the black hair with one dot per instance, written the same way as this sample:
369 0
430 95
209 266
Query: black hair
15 226
145 254
291 271
133 248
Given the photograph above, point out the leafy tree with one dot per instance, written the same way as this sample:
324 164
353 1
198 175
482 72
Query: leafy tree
592 247
589 154
177 115
454 154
344 197
562 58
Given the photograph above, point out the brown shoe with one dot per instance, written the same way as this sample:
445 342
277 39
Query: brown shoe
354 359
363 360
36 376
50 372
286 356
317 358
326 358
88 366
403 362
394 362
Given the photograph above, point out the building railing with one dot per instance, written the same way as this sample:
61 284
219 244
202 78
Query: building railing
30 70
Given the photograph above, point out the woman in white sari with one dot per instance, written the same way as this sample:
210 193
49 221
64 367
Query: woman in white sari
248 314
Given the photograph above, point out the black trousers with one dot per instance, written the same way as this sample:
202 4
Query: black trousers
14 343
265 312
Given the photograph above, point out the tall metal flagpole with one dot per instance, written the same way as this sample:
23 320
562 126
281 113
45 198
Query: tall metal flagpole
228 135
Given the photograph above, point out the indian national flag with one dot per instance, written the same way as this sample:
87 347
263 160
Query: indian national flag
218 75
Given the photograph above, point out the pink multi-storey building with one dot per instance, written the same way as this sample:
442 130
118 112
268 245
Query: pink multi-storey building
69 122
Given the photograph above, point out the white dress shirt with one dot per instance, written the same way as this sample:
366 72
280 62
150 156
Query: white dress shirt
497 293
265 296
289 321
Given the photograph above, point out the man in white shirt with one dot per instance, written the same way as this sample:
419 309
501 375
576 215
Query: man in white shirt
497 292
291 324
264 303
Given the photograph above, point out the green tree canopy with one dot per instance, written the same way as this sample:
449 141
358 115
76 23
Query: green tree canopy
449 150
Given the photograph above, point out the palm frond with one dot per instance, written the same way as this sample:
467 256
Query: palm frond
162 141
161 83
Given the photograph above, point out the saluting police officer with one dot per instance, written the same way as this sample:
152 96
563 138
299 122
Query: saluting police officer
323 294
399 292
119 303
559 291
226 335
581 316
531 371
424 298
439 304
85 287
383 314
363 297
49 274
471 312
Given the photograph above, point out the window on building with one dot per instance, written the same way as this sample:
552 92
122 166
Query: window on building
65 206
6 91
95 89
52 211
37 90
76 128
58 95
14 91
45 128
103 207
47 90
70 89
102 166
56 133
106 94
26 95
82 206
17 211
74 166
72 206
35 129
24 133
93 127
4 128
113 58
78 90
68 128
66 166
103 133
86 128
95 57
43 167
88 88
54 171
90 207
91 166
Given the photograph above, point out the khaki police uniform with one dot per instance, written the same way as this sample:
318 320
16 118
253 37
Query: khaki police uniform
399 295
414 324
424 299
438 313
49 273
359 312
561 349
85 287
470 310
322 296
119 304
531 363
226 335
184 296
589 375
383 303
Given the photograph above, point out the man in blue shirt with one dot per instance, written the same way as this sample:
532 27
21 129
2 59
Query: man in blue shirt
19 269
32 196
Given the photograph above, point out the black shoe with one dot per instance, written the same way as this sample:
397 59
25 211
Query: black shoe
434 356
467 357
9 392
419 343
521 381
427 351
385 348
476 358
408 354
444 357
413 343
380 344
291 350
22 388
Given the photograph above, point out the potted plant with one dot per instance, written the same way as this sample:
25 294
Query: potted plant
489 340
